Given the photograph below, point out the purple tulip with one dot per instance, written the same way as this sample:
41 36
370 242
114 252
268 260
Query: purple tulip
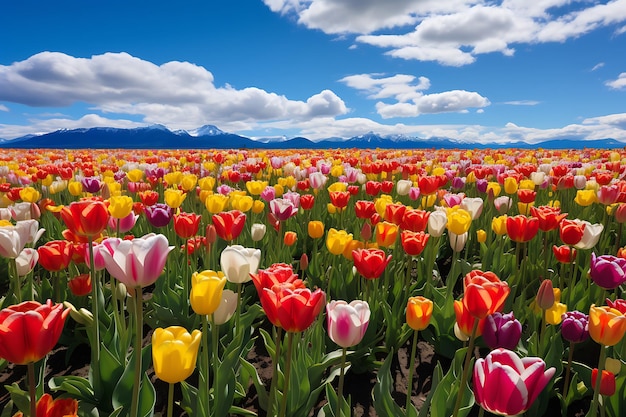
607 271
282 209
575 326
502 331
159 214
91 184
481 185
507 385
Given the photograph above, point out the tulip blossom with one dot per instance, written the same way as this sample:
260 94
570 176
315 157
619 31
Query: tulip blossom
415 220
521 228
282 209
457 242
80 285
206 291
24 211
26 261
549 217
502 331
257 231
413 243
186 225
545 296
159 214
123 225
419 311
120 206
229 224
473 205
607 381
91 184
49 407
606 325
459 221
437 222
337 240
507 385
277 273
575 326
55 255
465 321
137 262
591 235
174 353
370 263
238 263
484 293
571 231
291 308
564 253
30 330
386 234
227 307
347 323
607 271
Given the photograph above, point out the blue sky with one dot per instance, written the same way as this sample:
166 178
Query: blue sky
485 71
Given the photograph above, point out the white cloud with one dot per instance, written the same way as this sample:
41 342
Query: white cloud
3 107
177 94
597 66
522 102
454 32
409 96
619 83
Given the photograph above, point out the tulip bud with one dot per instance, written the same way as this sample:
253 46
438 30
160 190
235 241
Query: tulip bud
258 231
366 231
460 334
607 381
545 295
304 262
120 291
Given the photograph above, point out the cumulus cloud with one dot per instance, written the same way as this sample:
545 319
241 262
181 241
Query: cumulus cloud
454 32
178 94
619 83
410 100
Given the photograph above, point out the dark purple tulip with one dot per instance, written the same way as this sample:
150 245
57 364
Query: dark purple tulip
91 184
159 214
502 331
575 326
481 185
607 271
119 175
458 183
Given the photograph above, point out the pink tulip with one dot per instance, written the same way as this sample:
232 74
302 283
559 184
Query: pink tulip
282 209
126 223
508 385
137 262
347 323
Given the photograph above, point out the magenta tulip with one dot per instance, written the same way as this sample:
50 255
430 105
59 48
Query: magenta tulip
607 271
508 385
502 331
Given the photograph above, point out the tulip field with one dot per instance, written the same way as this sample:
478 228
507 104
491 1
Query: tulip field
173 269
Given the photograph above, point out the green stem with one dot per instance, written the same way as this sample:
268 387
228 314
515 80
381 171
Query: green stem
407 277
134 407
32 389
95 307
283 404
568 370
593 411
411 369
170 400
238 313
214 352
270 404
341 378
18 281
468 357
203 384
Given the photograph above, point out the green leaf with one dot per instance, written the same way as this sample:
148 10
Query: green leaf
384 403
258 384
147 397
241 411
19 397
7 411
77 387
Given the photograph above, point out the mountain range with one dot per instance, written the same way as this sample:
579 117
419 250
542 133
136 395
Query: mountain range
211 137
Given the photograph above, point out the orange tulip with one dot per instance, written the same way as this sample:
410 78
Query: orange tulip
465 320
419 310
289 239
484 293
386 234
606 325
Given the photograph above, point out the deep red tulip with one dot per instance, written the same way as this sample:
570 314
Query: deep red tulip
571 231
413 243
364 209
373 188
29 331
415 220
607 381
564 254
307 201
370 262
229 224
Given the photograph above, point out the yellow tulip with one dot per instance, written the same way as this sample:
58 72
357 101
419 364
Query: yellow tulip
336 241
242 203
510 185
287 182
554 313
278 190
174 353
381 204
57 186
494 187
189 182
29 195
585 198
75 188
338 186
336 170
256 187
47 181
498 225
206 291
134 175
352 245
258 206
174 197
606 325
331 209
527 184
206 183
316 229
459 220
173 178
429 201
216 203
120 206
481 236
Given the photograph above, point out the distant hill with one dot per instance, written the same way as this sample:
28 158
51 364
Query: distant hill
211 137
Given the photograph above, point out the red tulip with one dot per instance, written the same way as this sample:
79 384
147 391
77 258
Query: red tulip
373 188
86 217
30 330
229 224
307 201
291 308
394 213
413 243
415 220
339 199
277 273
571 231
564 254
55 255
484 293
186 224
549 217
521 228
49 407
607 381
80 285
370 262
364 209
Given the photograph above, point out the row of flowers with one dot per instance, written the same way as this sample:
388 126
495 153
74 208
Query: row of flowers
387 244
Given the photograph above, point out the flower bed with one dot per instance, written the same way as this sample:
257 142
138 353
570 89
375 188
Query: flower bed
270 282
